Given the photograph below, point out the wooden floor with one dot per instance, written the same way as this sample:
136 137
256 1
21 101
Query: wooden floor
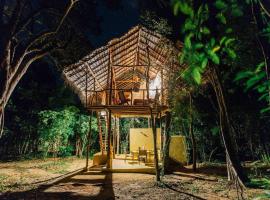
143 110
120 165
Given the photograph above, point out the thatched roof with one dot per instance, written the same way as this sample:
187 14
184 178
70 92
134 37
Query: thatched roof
128 56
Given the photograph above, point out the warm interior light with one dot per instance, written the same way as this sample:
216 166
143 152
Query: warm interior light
155 84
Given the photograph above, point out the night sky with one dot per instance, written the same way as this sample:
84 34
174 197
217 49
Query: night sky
115 21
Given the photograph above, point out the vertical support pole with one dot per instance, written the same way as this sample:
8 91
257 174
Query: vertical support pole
154 129
117 135
147 73
114 138
161 88
109 152
88 141
167 139
86 88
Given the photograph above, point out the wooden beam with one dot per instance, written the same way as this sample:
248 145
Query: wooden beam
131 66
94 75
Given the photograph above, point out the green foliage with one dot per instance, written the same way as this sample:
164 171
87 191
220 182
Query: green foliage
57 128
262 183
65 151
153 22
203 47
256 80
265 195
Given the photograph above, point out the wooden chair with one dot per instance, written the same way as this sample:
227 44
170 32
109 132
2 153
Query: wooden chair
127 155
142 155
122 97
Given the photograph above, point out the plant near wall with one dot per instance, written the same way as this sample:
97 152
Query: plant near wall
208 46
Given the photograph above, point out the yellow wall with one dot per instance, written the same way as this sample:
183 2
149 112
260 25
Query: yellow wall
177 149
143 137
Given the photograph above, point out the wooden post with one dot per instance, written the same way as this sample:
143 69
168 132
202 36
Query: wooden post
154 129
114 138
109 150
86 88
88 141
161 88
109 153
117 135
147 74
167 138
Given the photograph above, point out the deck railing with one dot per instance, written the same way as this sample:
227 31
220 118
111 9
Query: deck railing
131 97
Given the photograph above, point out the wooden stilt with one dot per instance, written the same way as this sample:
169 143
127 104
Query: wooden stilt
167 138
88 141
117 135
154 128
109 150
114 137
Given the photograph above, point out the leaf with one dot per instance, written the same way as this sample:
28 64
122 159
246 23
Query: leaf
221 5
221 18
261 88
259 67
205 30
243 75
264 110
187 41
237 11
214 57
212 42
176 7
231 53
196 75
189 25
222 40
198 46
186 9
215 130
204 63
229 30
264 96
216 49
229 41
254 80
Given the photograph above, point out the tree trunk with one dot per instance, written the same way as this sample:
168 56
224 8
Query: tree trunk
193 141
234 164
167 138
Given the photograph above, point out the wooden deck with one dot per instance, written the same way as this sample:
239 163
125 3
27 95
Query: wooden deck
120 165
139 110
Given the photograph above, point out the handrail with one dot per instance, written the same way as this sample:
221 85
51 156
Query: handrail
96 99
126 90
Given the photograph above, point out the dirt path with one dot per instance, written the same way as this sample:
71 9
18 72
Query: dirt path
207 184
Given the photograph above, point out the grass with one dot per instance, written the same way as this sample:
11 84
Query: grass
57 167
2 182
262 183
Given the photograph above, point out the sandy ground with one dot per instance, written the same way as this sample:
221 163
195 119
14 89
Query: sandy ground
183 184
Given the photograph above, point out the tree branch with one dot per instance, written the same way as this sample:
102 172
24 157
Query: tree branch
49 33
264 9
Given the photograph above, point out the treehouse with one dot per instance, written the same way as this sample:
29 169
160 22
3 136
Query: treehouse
128 77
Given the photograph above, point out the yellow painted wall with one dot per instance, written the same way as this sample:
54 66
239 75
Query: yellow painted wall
143 137
177 149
